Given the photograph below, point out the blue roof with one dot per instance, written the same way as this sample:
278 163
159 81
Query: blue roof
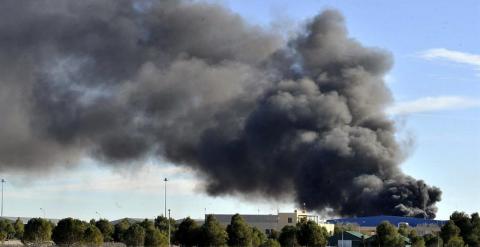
373 221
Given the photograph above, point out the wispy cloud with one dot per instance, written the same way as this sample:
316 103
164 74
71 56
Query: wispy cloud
453 56
432 104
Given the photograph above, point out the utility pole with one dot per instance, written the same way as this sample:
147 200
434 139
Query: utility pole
165 196
3 181
168 227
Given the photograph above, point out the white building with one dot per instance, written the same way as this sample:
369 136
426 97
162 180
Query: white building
268 222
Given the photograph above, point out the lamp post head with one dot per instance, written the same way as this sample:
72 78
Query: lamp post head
165 179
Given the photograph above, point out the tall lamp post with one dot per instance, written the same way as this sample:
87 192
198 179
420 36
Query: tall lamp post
165 196
3 181
168 227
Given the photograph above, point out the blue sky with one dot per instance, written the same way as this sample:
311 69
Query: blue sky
435 82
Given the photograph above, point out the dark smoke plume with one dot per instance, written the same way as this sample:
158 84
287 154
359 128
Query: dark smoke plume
194 84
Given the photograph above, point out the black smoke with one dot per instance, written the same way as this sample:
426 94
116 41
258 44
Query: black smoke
195 84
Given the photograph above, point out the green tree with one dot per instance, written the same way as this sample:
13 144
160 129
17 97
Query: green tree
7 228
154 237
212 233
404 230
120 229
147 224
273 234
3 237
258 237
92 236
310 233
417 241
345 227
432 240
37 230
106 228
475 219
239 232
188 233
19 228
455 241
449 231
387 235
288 236
162 224
271 243
69 231
464 223
135 235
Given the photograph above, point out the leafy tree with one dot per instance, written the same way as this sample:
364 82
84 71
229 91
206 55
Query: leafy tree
449 231
288 236
135 235
239 232
147 224
106 228
188 233
455 241
432 240
6 227
154 237
212 233
387 235
92 236
19 228
339 228
37 230
161 223
68 231
475 219
120 230
469 227
404 230
311 234
270 243
273 234
3 237
258 237
417 241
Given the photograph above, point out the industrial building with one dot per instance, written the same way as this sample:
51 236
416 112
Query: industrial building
269 222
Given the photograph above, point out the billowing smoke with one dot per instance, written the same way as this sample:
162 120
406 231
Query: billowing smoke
196 85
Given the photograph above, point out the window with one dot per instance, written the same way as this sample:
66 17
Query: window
289 220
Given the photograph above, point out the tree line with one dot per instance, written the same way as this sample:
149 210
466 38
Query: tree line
461 230
69 231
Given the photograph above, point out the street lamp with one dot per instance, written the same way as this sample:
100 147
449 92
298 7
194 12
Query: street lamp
165 196
168 227
3 181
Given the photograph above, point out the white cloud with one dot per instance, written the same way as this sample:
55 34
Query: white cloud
453 56
431 104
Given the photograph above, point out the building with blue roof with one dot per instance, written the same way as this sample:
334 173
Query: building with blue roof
369 223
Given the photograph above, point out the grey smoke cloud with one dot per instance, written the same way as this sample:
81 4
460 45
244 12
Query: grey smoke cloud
194 84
